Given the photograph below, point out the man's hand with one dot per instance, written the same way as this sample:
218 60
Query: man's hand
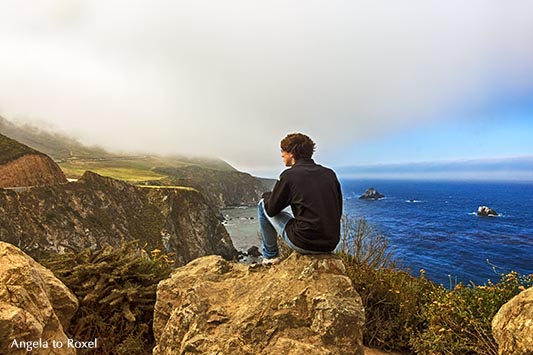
266 195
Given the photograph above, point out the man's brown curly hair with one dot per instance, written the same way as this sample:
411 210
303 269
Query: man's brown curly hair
300 145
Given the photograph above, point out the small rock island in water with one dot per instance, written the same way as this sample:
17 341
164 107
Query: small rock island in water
486 211
371 194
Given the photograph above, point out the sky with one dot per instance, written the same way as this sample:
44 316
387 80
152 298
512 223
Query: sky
372 82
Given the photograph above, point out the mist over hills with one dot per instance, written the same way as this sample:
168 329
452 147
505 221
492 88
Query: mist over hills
221 184
61 147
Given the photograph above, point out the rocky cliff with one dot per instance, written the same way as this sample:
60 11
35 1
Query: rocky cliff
306 305
221 188
96 210
35 307
22 166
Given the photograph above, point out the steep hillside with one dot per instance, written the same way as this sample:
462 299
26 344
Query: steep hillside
96 210
222 188
21 165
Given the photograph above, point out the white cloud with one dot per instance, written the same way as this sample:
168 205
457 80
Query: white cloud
232 78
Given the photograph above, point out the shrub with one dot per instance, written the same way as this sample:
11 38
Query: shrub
116 289
392 298
363 245
459 321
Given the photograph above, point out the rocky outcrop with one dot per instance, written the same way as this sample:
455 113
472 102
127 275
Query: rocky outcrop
96 210
486 211
306 305
371 194
35 307
22 166
221 188
512 327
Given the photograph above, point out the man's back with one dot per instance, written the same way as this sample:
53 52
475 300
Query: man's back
314 194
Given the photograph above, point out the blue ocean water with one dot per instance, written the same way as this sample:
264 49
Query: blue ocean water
440 231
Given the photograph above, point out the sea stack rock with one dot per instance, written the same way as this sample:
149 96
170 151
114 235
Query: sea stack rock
486 211
512 327
306 305
35 307
371 194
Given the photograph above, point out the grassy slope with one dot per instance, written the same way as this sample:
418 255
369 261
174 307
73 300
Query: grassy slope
11 149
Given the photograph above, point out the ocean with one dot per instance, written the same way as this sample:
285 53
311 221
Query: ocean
433 225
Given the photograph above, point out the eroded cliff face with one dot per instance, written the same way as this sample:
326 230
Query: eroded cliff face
221 188
306 305
97 210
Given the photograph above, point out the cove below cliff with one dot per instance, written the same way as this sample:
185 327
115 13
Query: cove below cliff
242 226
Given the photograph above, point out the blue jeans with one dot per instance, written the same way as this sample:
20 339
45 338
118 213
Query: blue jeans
270 228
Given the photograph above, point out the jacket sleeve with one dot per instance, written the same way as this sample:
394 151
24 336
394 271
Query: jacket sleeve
279 199
339 191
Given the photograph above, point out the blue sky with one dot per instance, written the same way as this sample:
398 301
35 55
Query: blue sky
498 137
496 142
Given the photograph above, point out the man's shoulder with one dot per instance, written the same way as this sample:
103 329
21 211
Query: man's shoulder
287 173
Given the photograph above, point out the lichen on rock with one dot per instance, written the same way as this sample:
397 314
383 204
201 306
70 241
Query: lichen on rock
305 305
512 327
34 305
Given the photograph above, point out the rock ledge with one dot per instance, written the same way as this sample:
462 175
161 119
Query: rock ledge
306 305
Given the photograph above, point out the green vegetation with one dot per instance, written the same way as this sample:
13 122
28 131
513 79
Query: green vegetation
459 321
11 149
169 187
129 174
414 315
116 288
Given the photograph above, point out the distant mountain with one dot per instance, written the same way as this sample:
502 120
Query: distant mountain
222 184
55 145
517 168
62 148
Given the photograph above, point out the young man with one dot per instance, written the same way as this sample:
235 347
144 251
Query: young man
315 197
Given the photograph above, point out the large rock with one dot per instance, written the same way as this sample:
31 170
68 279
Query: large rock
96 210
486 211
34 305
512 327
21 165
306 305
371 194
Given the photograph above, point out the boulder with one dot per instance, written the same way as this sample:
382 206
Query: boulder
35 307
512 327
486 211
305 305
371 194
